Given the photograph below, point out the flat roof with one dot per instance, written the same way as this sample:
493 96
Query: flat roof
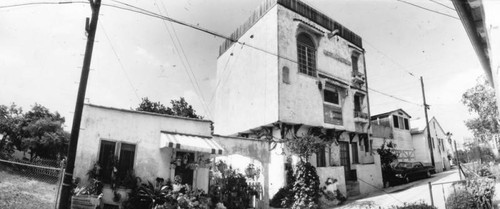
300 8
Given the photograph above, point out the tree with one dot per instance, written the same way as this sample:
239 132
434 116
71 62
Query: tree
10 119
480 100
43 133
179 108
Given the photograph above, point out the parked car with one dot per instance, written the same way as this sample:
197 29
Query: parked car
409 171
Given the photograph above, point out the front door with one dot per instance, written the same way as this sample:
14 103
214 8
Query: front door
345 159
183 170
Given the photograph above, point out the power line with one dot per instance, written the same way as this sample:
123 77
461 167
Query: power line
152 14
430 10
394 97
42 3
390 59
119 61
185 61
444 5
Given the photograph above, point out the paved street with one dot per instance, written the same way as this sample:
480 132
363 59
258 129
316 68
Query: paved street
413 192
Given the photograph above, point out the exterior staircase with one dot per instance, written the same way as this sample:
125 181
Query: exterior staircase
352 188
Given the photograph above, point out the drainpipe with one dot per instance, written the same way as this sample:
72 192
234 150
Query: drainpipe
367 94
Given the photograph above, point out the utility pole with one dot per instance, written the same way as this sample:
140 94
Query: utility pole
64 200
429 140
458 160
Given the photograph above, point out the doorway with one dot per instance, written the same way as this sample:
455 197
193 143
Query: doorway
182 169
345 159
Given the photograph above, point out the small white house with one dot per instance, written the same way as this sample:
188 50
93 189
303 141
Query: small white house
151 145
441 146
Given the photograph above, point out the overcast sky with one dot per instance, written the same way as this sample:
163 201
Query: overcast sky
135 56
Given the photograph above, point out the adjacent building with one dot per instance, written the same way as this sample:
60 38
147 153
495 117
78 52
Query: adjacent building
393 129
290 70
440 143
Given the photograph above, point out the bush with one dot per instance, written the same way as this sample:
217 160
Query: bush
306 187
229 187
419 205
460 200
283 198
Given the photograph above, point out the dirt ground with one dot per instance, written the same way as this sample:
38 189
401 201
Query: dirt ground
18 191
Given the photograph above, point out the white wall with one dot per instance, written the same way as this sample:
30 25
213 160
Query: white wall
247 93
370 176
139 128
301 101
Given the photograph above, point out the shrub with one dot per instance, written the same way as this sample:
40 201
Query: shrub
306 187
229 187
482 189
460 200
418 205
283 198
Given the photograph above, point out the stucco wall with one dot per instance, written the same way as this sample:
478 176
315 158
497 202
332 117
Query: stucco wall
239 152
247 88
141 129
370 176
300 100
336 172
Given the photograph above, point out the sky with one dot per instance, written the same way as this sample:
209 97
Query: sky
136 56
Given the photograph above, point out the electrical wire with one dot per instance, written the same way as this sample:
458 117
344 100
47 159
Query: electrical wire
152 14
444 5
186 64
119 60
427 9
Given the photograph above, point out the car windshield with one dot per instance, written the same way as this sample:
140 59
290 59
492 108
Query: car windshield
404 165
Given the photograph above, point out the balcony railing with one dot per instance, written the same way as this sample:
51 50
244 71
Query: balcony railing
359 114
358 74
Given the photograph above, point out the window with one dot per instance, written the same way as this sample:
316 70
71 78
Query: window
321 158
358 100
355 158
400 122
116 154
354 60
433 146
395 121
331 96
306 54
407 124
366 142
286 75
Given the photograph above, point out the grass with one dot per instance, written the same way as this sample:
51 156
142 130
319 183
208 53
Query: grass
19 191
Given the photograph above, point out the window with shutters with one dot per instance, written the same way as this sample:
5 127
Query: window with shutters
306 54
117 155
400 122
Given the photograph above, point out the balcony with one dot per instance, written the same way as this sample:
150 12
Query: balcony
358 78
360 117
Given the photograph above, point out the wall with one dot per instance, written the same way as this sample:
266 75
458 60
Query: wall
422 152
370 176
301 101
247 89
239 152
139 128
336 172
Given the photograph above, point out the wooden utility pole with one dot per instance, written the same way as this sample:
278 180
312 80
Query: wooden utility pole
458 160
429 140
64 200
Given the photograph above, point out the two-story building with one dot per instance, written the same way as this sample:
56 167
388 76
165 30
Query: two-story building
393 128
290 69
441 146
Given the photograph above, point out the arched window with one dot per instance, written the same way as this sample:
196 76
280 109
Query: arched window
306 52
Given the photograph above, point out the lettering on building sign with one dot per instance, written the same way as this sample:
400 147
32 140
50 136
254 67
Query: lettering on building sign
337 57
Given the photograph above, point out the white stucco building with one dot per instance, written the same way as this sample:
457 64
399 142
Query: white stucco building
290 70
441 145
151 145
394 127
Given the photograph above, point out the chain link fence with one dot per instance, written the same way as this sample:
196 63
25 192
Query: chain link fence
30 184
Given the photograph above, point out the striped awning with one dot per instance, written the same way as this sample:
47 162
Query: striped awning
190 143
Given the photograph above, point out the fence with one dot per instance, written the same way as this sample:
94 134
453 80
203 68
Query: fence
25 184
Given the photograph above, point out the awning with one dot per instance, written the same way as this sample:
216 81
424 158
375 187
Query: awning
190 143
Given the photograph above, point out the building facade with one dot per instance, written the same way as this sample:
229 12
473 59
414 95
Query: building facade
393 128
147 144
291 70
441 145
